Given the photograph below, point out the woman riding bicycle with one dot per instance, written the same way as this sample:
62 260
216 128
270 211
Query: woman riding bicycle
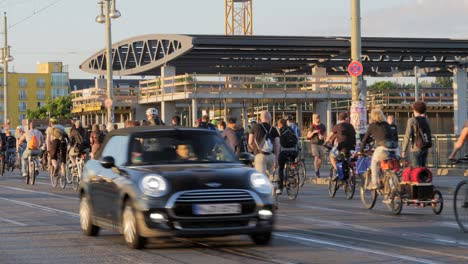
459 144
385 142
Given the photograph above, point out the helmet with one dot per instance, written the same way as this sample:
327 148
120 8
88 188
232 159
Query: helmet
152 111
253 120
214 122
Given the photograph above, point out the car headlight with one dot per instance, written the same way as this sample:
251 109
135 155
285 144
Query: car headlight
260 183
154 185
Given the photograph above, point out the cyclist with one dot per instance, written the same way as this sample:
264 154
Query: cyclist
2 144
343 137
152 115
96 138
77 141
10 145
384 143
288 149
293 126
56 141
33 138
459 144
264 142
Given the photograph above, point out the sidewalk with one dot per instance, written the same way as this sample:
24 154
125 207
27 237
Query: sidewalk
445 182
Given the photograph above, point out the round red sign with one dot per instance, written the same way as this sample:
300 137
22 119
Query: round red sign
355 68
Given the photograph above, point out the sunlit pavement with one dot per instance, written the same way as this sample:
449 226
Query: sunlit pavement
39 224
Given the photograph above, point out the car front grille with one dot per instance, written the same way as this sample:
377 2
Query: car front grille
183 206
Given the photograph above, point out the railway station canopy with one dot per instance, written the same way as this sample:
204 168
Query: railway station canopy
212 54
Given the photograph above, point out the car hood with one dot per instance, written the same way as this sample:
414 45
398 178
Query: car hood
201 176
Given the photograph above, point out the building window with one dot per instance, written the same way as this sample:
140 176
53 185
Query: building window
21 117
59 92
40 83
23 82
40 104
59 80
22 94
40 94
1 107
1 119
22 106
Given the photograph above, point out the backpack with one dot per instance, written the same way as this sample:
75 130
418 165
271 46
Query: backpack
241 145
33 144
11 142
288 139
99 136
267 146
422 137
57 133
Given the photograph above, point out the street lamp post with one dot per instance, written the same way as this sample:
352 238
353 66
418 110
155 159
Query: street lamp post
105 17
5 59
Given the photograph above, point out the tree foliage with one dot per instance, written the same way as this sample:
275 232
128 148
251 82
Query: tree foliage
58 108
381 86
444 82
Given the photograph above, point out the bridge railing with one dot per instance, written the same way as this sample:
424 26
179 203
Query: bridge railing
212 83
437 158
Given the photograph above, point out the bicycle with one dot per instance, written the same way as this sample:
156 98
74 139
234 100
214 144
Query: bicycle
389 181
292 178
74 172
44 160
344 177
55 174
11 161
460 199
301 168
33 163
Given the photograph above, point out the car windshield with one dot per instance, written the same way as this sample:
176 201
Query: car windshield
179 147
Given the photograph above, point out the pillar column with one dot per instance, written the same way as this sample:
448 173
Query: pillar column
299 115
168 110
323 109
319 75
194 111
459 99
245 118
237 113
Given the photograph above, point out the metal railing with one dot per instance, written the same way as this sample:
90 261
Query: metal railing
437 158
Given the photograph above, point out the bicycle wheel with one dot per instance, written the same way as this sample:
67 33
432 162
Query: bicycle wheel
368 197
2 167
32 172
69 172
292 183
332 185
350 185
460 205
396 203
53 177
302 172
62 181
438 202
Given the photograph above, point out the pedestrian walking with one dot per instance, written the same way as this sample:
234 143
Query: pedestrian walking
316 135
417 136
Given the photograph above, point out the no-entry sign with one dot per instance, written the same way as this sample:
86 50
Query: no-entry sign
355 68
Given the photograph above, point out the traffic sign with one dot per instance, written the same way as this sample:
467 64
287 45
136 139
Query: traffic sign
108 103
355 68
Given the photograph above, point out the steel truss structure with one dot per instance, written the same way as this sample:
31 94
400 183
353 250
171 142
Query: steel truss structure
212 54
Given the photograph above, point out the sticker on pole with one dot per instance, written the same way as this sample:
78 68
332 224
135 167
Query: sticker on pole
355 68
108 103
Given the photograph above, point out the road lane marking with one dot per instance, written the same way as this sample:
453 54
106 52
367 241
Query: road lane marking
347 238
39 192
44 208
340 245
12 221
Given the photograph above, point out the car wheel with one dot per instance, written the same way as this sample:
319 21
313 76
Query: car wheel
261 239
86 218
130 228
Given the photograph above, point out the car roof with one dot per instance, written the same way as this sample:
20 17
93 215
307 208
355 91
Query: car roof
146 129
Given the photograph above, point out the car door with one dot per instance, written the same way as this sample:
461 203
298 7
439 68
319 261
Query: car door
107 187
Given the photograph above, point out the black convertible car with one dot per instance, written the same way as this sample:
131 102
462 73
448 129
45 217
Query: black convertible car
165 182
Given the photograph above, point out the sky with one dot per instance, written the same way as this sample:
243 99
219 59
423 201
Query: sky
65 30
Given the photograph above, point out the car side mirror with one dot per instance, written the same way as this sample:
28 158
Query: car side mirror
108 162
246 158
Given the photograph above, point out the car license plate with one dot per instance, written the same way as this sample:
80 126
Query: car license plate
215 209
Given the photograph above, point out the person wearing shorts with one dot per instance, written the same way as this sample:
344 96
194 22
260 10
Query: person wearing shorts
316 135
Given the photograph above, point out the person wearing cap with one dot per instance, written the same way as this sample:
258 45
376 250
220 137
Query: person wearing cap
152 115
343 139
316 135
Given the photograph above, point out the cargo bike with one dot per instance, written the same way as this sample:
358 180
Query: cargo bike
415 188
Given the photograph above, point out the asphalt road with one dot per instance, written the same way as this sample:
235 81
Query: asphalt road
39 224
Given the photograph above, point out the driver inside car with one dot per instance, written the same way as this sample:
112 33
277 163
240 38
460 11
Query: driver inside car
184 152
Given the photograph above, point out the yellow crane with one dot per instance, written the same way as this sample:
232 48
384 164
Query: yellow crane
238 17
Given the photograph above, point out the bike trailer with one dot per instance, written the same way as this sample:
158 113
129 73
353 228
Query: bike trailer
417 175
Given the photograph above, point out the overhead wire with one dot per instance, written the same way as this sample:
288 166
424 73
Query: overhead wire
35 12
